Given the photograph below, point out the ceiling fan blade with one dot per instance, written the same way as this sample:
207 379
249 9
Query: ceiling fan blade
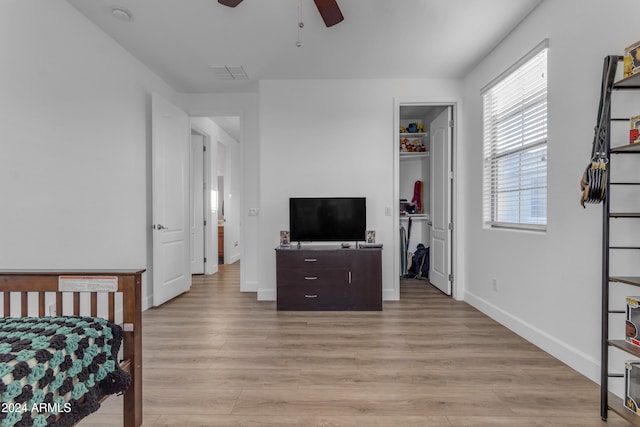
330 12
230 3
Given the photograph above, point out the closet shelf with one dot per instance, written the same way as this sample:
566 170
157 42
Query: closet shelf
414 216
616 405
631 82
413 134
404 155
624 214
629 148
626 347
629 280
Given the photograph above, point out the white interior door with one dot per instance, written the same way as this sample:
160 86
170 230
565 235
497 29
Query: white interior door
197 204
440 202
170 175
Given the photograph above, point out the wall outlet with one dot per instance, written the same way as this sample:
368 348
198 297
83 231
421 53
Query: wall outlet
253 211
387 210
494 285
52 310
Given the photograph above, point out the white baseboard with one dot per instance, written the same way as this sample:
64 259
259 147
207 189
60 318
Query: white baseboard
576 359
147 303
389 295
267 295
249 286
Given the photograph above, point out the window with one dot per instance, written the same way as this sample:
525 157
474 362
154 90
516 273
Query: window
515 145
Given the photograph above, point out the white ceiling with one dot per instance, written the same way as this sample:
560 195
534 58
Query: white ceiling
230 124
180 40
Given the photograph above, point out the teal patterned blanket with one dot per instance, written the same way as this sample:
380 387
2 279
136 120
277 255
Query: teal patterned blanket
55 370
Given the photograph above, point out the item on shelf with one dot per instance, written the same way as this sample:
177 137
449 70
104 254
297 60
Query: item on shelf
412 145
412 128
634 133
371 236
633 321
417 196
632 385
285 240
403 206
593 183
403 129
420 128
632 59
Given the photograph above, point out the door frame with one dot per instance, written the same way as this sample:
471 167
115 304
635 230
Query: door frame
197 191
210 244
456 253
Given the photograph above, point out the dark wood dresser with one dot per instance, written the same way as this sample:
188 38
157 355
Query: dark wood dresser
329 278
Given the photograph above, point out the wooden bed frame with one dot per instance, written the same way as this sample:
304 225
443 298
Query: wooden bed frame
28 283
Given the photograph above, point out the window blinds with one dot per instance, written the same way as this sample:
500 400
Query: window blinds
515 146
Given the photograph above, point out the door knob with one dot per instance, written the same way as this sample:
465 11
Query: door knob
159 227
429 223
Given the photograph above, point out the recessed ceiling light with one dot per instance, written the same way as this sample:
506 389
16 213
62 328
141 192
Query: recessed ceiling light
121 13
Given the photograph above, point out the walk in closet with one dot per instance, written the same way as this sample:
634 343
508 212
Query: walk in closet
424 178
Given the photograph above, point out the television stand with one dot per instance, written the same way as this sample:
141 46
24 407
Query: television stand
329 278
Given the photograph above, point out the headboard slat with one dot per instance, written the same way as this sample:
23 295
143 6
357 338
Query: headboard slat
112 305
24 304
59 308
42 311
7 303
94 304
76 304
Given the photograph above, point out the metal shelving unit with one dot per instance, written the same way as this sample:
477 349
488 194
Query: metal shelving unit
609 401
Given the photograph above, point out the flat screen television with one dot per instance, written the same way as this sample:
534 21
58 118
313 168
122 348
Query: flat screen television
327 219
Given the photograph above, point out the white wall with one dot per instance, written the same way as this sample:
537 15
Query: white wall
331 138
75 138
548 283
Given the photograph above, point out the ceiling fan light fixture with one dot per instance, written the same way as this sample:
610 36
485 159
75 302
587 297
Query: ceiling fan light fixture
230 3
330 12
300 24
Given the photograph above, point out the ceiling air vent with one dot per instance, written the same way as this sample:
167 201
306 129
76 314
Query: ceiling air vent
227 72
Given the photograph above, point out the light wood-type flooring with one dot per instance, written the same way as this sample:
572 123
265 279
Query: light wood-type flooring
217 357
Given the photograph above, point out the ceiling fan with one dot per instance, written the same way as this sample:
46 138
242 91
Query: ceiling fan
329 10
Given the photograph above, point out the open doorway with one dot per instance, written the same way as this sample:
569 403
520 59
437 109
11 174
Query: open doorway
229 186
424 189
215 193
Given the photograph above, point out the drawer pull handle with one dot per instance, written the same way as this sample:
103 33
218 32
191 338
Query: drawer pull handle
310 278
311 296
310 260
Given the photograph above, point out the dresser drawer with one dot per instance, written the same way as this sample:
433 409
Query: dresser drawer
309 259
312 276
305 296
